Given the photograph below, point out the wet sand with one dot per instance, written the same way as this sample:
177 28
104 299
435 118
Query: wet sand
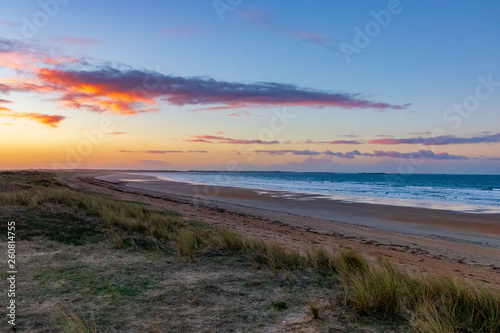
481 229
418 240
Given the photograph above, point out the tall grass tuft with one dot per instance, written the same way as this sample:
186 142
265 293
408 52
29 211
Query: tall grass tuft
439 304
230 241
188 242
349 263
376 292
453 307
322 261
69 322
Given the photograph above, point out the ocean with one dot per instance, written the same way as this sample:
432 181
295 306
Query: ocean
465 193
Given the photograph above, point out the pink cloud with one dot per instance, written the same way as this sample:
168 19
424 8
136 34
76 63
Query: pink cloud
76 40
220 139
334 142
7 23
238 114
262 19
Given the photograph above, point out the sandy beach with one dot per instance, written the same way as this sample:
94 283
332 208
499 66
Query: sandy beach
419 240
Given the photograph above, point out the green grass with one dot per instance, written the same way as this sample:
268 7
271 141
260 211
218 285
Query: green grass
278 305
381 292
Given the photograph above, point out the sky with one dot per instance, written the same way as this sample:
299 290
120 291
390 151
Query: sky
338 86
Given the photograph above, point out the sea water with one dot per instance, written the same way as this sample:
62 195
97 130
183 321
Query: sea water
467 193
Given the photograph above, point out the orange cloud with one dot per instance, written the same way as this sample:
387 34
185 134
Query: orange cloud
94 93
49 120
82 85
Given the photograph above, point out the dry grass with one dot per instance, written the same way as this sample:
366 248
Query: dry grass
439 304
69 322
381 292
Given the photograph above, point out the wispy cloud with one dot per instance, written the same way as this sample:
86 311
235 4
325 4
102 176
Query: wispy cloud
426 154
7 23
306 152
423 154
238 114
76 40
161 151
220 139
49 120
26 57
334 142
420 133
117 133
264 20
440 140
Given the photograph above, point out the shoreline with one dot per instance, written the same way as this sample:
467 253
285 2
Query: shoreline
236 210
476 228
460 207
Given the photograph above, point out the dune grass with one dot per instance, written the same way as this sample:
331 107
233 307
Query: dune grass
382 292
69 322
437 304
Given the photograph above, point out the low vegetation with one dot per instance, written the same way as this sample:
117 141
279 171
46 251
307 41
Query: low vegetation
380 294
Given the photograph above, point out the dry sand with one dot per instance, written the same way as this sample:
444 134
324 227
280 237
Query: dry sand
418 240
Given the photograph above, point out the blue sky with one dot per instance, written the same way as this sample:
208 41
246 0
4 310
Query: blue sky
422 60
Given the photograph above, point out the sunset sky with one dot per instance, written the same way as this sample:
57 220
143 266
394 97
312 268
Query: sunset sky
341 86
